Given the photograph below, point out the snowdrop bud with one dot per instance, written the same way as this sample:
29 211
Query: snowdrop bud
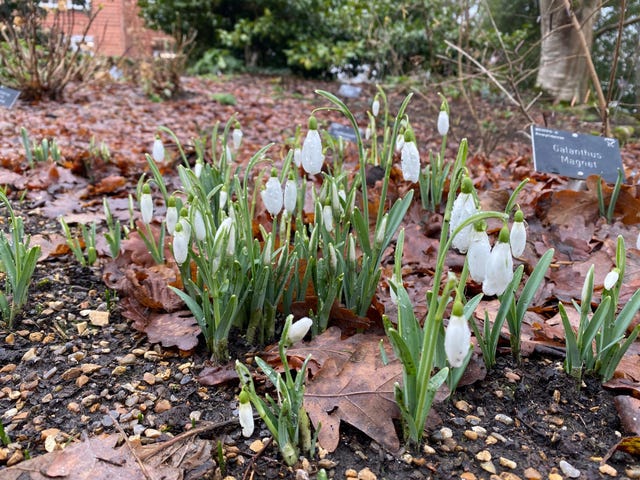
297 157
146 204
351 252
245 414
499 266
197 168
479 250
611 279
382 230
272 195
457 339
375 107
171 217
587 287
231 238
463 207
399 142
311 155
184 221
180 244
236 136
223 196
410 158
327 217
198 225
290 195
267 251
367 133
298 330
333 258
518 234
443 123
157 151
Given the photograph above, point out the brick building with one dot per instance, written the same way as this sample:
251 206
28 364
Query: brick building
117 30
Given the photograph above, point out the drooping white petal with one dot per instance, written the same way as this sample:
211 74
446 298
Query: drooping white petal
297 157
198 225
463 207
399 142
443 123
375 107
180 245
290 195
499 270
311 155
171 219
478 254
518 238
272 196
327 217
410 162
197 169
146 207
457 340
611 279
157 151
245 415
298 330
236 136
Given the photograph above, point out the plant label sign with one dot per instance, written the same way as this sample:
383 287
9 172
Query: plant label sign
8 96
575 155
337 130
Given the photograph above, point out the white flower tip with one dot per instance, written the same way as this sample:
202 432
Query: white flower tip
443 123
611 279
157 151
298 330
245 415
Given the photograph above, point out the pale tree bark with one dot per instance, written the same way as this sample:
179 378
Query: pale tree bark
563 66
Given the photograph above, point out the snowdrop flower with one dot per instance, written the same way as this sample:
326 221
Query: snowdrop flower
375 106
297 157
399 142
171 217
443 117
311 155
198 225
499 266
157 151
367 133
180 244
457 338
290 195
381 230
410 157
463 207
197 168
222 200
327 217
272 195
236 136
245 414
518 234
611 279
479 250
184 221
146 204
298 330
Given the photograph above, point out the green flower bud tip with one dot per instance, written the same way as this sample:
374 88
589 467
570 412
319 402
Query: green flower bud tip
467 185
171 202
313 123
146 189
178 227
274 172
519 216
184 212
504 235
243 397
480 226
409 135
458 309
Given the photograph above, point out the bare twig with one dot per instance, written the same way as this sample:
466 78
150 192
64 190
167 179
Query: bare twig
616 51
254 458
142 466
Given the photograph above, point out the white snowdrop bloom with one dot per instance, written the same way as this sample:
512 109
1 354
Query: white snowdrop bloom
399 142
367 133
410 159
611 279
443 123
311 155
327 217
222 200
157 151
478 253
463 207
180 244
290 195
272 196
197 169
457 338
146 204
227 152
198 225
225 233
171 217
185 223
499 270
518 238
245 414
298 330
236 137
297 157
375 107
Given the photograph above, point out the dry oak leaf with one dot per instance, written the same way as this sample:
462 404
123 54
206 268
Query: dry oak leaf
628 408
360 392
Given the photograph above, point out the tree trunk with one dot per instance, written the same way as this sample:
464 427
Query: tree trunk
563 67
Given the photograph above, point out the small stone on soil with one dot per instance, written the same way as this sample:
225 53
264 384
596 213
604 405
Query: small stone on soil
366 474
569 470
608 470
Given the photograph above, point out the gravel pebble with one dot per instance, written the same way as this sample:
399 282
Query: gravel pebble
568 469
502 418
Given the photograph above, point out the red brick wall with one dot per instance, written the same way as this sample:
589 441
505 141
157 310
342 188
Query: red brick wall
116 30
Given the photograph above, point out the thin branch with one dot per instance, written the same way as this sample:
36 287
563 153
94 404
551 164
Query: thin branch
613 26
616 52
